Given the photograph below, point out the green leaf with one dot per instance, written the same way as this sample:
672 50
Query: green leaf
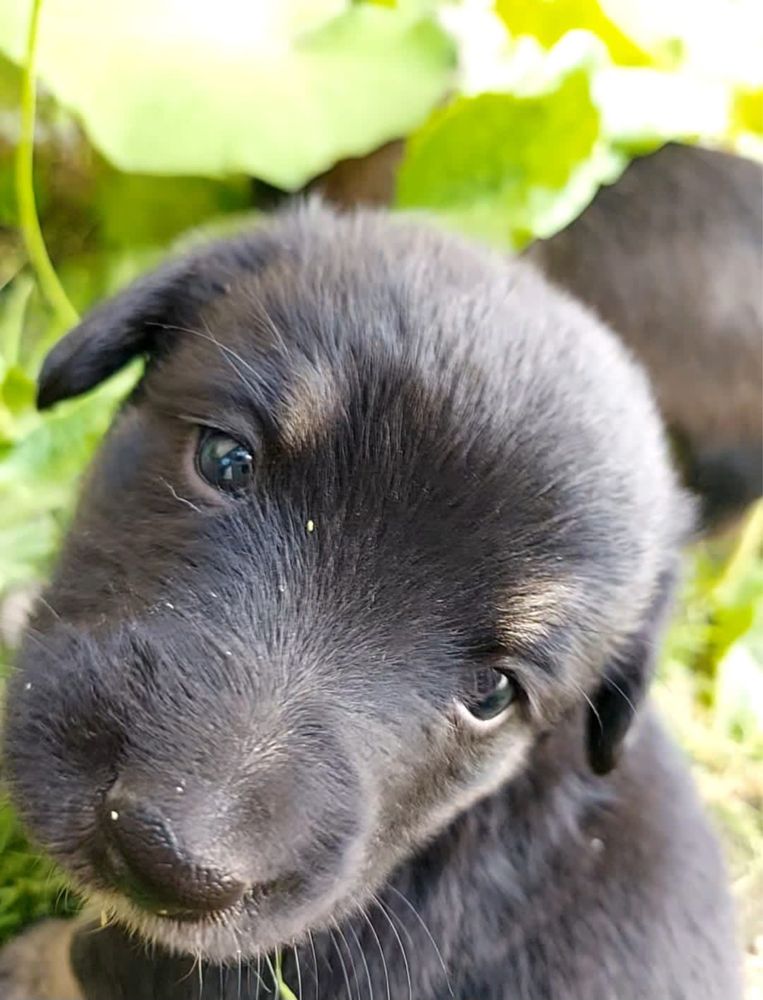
17 391
39 477
501 165
729 625
233 87
13 306
747 111
135 210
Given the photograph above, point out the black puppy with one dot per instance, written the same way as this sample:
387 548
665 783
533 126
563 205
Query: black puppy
671 256
359 605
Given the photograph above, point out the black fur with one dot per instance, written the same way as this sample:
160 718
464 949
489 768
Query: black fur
557 888
671 256
456 469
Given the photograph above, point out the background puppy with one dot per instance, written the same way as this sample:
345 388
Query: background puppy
671 257
359 605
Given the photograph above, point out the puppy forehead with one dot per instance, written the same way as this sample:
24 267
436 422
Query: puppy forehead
327 281
291 342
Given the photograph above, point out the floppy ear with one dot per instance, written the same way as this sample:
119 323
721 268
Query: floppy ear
112 334
127 325
625 683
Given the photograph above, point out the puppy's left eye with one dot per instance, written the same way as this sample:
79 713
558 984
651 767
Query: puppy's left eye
224 462
491 694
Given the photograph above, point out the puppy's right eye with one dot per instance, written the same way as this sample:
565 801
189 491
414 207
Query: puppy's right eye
489 698
223 462
492 693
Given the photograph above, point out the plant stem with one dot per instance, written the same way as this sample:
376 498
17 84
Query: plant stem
283 990
29 221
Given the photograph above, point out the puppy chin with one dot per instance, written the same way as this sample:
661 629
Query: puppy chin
223 937
243 931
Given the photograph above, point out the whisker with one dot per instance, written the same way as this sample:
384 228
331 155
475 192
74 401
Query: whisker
35 636
426 930
271 325
177 496
581 690
227 352
315 961
274 977
381 951
299 970
351 957
363 960
341 962
616 686
49 606
400 944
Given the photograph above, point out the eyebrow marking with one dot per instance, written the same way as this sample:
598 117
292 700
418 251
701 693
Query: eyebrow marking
530 614
311 404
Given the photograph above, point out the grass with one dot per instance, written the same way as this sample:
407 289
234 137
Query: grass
710 691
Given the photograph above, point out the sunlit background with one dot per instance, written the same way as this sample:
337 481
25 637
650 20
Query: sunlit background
159 121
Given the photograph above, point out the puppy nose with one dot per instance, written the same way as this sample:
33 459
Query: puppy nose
152 867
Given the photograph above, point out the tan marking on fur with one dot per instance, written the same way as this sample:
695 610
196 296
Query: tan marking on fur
312 405
36 966
527 616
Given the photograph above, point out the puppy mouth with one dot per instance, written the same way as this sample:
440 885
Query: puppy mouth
265 916
175 909
178 916
251 902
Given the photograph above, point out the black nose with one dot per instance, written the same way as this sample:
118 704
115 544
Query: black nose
152 866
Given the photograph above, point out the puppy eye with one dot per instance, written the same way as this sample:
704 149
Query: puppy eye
224 462
491 694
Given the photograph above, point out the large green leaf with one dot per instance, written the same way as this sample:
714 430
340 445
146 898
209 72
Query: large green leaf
508 167
191 87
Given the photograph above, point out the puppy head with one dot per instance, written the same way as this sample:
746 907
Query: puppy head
383 510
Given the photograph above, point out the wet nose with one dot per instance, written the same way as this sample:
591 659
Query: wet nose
153 867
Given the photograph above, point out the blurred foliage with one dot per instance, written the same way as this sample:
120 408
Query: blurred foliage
160 120
568 97
551 22
710 690
500 183
29 885
276 90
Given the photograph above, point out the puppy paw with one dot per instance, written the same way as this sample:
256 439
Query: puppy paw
35 966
